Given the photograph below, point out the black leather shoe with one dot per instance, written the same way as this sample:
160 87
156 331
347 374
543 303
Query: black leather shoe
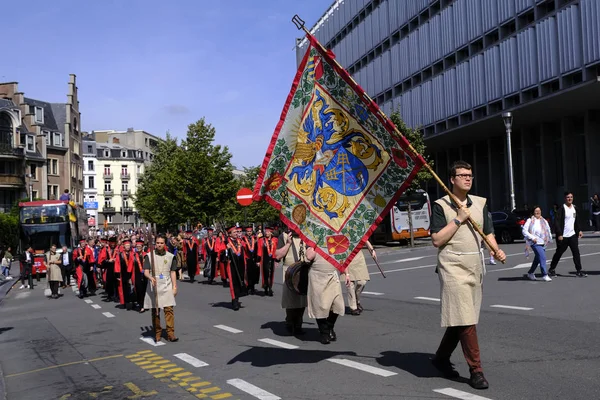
359 307
269 292
173 339
225 284
235 304
325 339
445 367
478 381
332 335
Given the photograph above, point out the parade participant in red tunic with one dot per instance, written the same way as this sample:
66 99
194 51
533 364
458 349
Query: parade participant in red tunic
191 248
209 249
125 270
236 269
140 279
221 248
106 260
252 268
267 246
83 258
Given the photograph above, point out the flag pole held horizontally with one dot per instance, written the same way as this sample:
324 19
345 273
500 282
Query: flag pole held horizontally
300 24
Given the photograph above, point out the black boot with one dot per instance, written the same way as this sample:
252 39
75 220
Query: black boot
235 304
269 292
324 330
331 323
225 284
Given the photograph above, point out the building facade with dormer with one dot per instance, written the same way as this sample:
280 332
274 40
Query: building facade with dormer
40 153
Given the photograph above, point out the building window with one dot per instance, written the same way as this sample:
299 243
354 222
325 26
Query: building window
126 218
124 169
90 165
109 219
52 166
48 137
7 167
91 182
90 149
39 115
53 192
33 171
107 202
107 153
124 187
107 170
34 194
125 203
30 143
107 187
57 139
124 153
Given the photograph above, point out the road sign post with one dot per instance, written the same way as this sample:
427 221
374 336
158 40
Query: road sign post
244 199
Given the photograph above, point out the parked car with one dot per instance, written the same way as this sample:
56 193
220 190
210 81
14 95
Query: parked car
508 226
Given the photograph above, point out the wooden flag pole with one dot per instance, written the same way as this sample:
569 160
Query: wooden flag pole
300 25
152 271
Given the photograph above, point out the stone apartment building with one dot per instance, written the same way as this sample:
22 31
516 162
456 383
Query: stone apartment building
113 163
40 146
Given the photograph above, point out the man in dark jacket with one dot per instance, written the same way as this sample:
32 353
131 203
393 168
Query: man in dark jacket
567 226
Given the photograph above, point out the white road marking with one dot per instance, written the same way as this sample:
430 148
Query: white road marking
527 265
193 361
96 306
228 328
252 390
427 298
512 307
23 295
151 342
362 367
88 301
278 343
459 394
410 259
374 293
108 315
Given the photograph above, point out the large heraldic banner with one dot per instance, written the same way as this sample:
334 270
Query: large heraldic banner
334 167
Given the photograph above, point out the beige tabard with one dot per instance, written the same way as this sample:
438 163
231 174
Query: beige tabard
54 272
290 299
460 268
164 285
324 290
357 269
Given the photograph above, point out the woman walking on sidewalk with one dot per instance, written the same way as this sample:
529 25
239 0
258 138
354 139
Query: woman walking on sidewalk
537 234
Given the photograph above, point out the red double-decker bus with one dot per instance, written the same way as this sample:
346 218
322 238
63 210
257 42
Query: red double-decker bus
46 222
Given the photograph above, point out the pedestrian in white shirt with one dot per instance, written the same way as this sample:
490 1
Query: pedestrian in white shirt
536 232
567 226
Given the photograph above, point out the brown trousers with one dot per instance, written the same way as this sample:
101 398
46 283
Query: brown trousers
170 320
467 336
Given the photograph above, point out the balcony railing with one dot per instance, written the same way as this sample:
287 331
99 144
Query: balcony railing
107 175
108 210
128 210
108 193
14 180
125 193
125 175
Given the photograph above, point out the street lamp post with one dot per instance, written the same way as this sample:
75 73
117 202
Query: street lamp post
507 118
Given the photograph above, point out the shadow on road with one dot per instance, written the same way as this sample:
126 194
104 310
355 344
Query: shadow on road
417 364
8 328
513 279
279 329
270 356
225 304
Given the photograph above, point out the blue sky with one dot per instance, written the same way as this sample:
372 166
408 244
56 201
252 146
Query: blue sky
160 65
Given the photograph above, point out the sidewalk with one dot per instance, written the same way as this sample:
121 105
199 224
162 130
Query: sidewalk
6 285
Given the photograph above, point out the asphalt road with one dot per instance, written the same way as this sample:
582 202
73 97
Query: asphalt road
545 348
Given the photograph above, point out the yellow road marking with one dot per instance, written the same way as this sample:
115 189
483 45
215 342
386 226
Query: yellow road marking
211 390
154 371
192 390
175 370
168 366
136 358
64 365
157 358
145 352
200 384
221 396
191 379
201 396
183 384
138 393
149 366
162 362
65 396
161 375
182 374
143 363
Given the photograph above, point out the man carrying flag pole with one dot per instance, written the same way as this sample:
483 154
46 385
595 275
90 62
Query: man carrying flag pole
336 164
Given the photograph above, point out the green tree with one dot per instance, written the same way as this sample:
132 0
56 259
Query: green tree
191 181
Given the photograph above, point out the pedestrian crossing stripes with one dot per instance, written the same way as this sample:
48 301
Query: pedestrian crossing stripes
108 315
193 361
96 306
151 341
228 328
278 343
161 368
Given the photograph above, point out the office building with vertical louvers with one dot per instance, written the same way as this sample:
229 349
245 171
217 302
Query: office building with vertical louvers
452 67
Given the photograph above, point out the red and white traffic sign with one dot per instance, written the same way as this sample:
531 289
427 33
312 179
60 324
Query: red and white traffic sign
244 197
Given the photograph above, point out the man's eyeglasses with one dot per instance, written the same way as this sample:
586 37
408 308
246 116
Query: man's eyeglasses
464 176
